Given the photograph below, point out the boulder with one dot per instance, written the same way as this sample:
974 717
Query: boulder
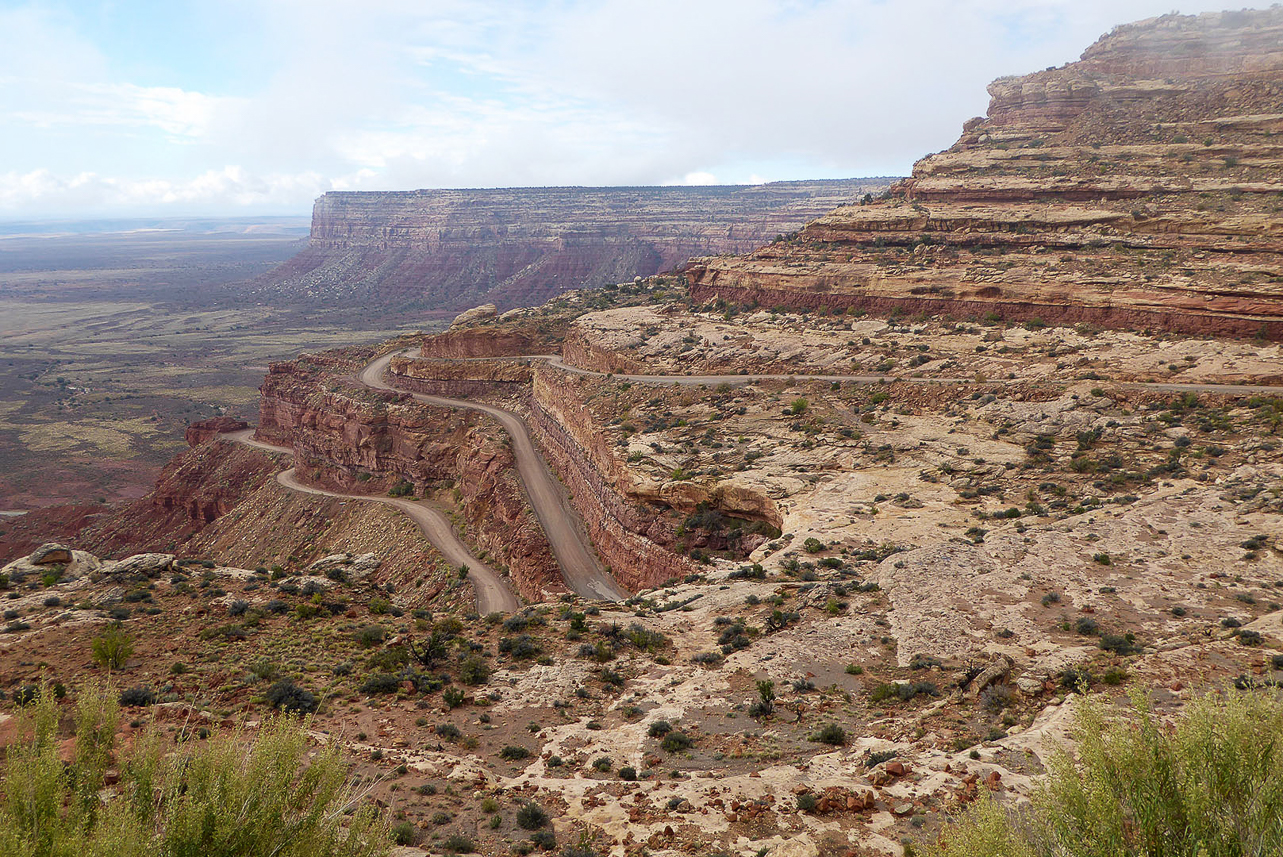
996 671
352 567
77 566
49 553
474 315
143 564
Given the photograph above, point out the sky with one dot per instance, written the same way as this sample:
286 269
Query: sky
249 107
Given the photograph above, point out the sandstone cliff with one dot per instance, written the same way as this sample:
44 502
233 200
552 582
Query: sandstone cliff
1137 187
353 439
453 249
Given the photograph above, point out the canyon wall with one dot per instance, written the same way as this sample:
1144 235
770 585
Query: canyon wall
356 440
632 538
453 249
1138 187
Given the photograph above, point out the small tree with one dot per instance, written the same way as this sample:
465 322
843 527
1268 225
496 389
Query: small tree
766 699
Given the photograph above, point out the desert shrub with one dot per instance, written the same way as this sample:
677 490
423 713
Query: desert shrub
237 607
1120 644
380 683
830 733
289 697
602 764
806 802
514 753
371 635
628 773
448 731
531 816
1087 626
228 795
545 839
812 545
112 648
659 728
676 741
457 843
402 833
1075 678
521 647
1250 638
1211 786
137 697
474 670
453 697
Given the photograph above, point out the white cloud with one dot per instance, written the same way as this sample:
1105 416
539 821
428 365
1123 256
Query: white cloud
228 188
316 94
698 177
177 112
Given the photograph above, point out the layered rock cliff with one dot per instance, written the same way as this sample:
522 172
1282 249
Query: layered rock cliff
1137 187
353 439
452 249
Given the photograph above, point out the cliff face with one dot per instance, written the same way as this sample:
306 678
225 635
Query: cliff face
452 249
195 489
356 440
1137 187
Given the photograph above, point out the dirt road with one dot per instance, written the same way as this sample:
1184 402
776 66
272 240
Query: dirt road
493 594
548 497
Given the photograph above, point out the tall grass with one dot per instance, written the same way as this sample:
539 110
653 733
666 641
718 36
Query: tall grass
1210 787
228 797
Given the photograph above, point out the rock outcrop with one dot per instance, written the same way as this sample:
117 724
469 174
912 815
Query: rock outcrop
199 432
1137 187
455 249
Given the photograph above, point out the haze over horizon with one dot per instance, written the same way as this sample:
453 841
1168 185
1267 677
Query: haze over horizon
238 108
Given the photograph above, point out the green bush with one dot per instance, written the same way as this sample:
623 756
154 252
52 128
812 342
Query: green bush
230 796
676 741
458 844
113 647
403 833
531 816
474 670
1212 787
830 733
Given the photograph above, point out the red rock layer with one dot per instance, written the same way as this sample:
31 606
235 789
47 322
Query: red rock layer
453 249
1137 187
632 538
356 440
198 433
194 489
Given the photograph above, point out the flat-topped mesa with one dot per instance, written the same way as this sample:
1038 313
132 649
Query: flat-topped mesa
452 249
1141 186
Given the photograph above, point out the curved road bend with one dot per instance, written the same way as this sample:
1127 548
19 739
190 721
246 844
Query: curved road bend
548 497
555 361
493 595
